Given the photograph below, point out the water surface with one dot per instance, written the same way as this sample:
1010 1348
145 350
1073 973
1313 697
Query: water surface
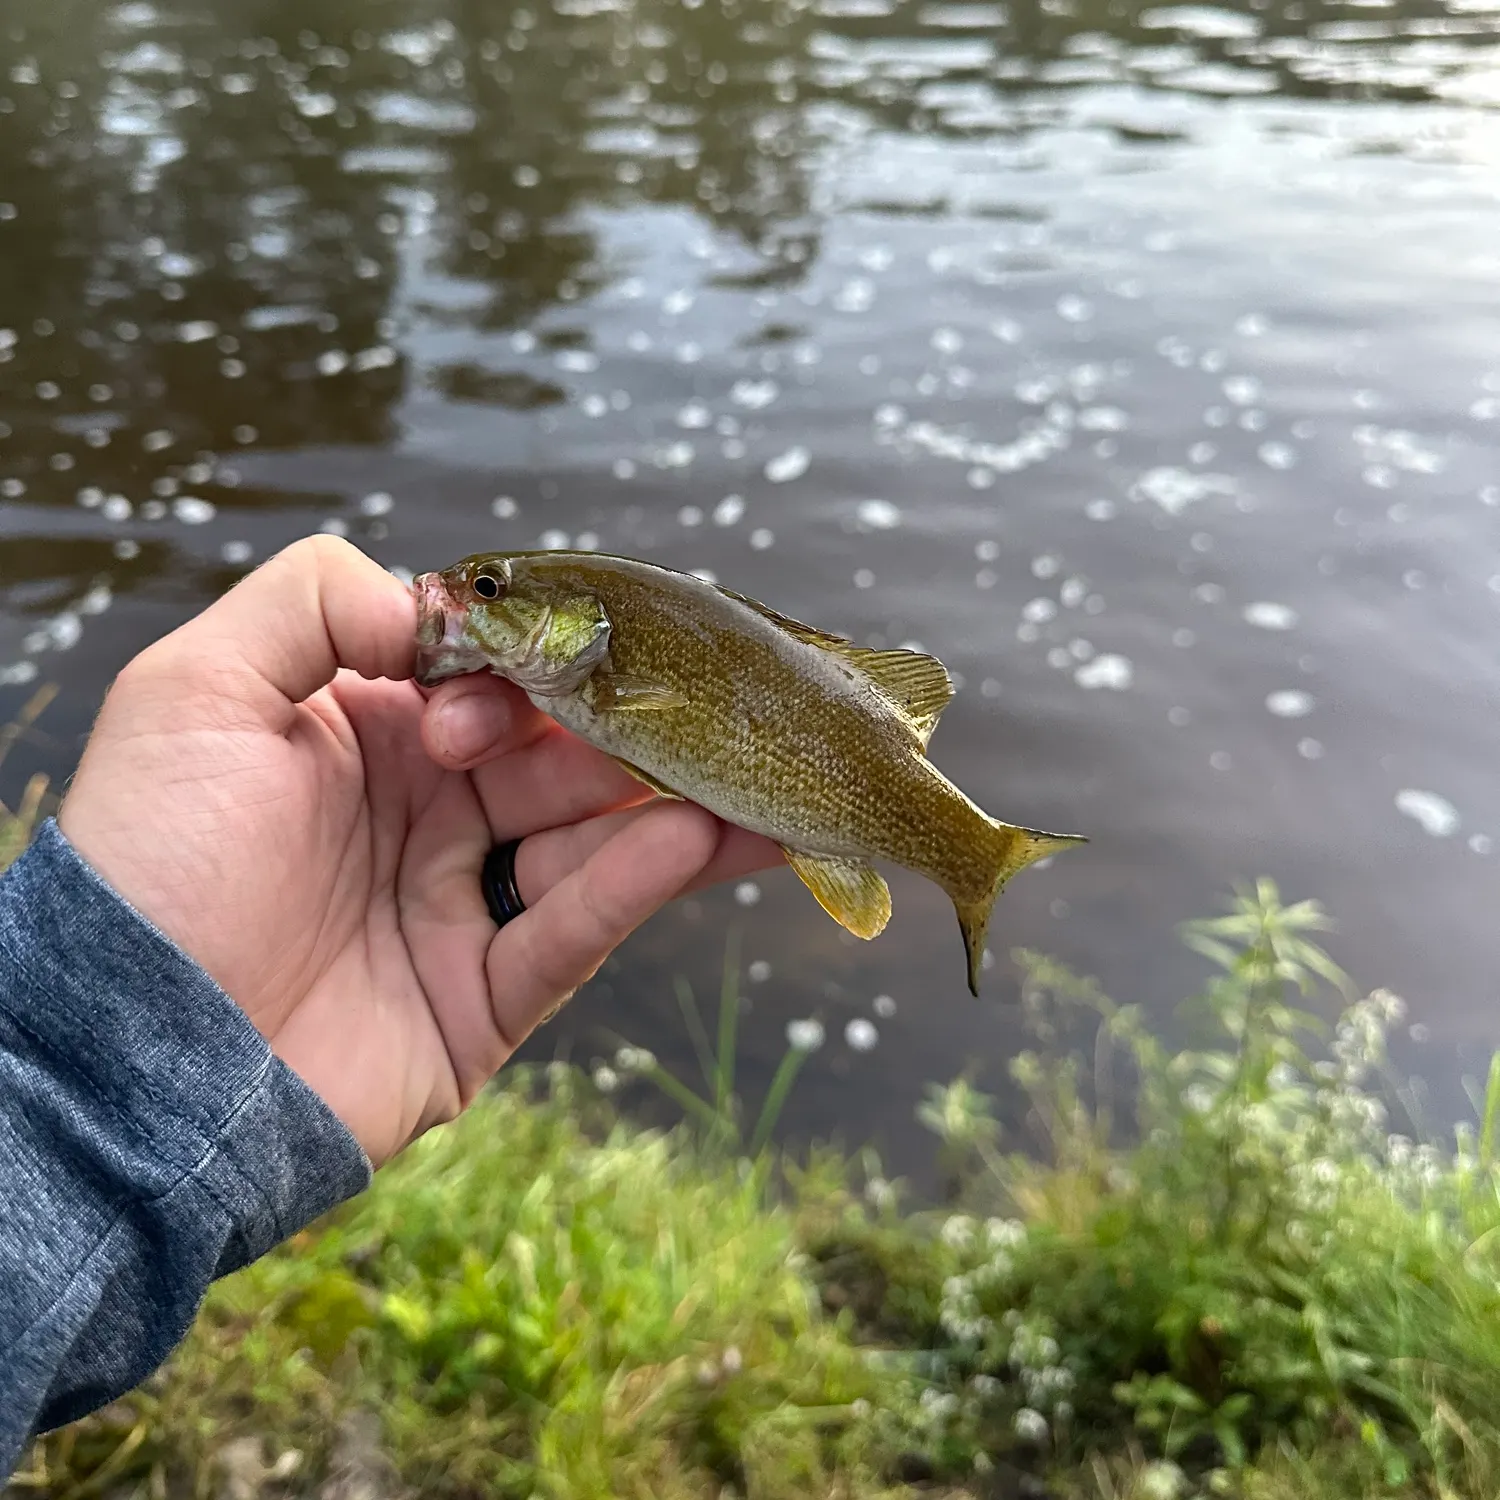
1142 362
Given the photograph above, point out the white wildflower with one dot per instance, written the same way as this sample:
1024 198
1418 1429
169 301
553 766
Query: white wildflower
1030 1425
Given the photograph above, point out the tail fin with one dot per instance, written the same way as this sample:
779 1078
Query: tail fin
1015 848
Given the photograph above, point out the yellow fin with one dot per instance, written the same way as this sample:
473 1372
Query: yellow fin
660 788
917 684
851 891
610 693
1014 849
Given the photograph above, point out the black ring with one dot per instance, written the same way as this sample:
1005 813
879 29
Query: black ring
498 882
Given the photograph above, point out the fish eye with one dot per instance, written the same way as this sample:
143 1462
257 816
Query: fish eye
487 585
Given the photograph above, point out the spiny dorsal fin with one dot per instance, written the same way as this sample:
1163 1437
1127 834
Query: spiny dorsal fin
809 633
918 685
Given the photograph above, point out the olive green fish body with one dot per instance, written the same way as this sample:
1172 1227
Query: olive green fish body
771 724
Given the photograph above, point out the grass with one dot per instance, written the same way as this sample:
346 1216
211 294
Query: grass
1210 1271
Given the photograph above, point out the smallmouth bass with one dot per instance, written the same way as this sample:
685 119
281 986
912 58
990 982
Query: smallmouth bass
706 695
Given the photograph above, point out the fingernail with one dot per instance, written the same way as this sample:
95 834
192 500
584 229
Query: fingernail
466 727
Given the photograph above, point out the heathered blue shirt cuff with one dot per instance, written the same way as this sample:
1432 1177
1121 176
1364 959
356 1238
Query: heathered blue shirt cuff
150 1141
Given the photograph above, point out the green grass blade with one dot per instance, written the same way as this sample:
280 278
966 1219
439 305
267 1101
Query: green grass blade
675 1089
781 1086
698 1036
1491 1119
729 1024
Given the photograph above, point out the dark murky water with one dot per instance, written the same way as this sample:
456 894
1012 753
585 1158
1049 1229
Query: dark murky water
1144 363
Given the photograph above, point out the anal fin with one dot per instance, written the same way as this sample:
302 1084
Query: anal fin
851 891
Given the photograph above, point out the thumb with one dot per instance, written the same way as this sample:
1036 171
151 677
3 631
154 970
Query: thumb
284 630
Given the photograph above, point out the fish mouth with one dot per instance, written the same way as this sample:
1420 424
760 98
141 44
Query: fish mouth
443 650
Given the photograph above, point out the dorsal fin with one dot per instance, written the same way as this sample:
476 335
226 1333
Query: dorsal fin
809 633
918 685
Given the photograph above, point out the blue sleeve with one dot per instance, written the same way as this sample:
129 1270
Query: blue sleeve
149 1142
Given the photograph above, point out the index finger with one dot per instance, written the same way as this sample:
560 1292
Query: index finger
283 631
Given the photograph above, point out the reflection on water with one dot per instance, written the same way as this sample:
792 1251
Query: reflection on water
1142 361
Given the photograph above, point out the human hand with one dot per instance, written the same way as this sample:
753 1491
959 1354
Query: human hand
269 788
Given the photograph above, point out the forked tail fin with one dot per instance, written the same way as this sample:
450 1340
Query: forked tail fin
1015 848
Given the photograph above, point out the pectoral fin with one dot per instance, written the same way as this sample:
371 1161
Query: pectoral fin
656 786
851 891
611 693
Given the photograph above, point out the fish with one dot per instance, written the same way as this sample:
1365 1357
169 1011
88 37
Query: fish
707 695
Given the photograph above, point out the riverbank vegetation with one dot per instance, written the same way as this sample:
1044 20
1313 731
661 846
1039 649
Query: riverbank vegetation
1219 1270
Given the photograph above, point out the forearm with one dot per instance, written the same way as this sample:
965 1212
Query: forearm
149 1142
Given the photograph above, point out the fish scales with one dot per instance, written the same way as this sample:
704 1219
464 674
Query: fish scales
787 731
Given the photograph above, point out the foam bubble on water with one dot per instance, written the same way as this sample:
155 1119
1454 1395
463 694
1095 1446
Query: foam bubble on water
1436 814
759 971
729 510
1290 703
504 508
196 331
754 394
1103 419
18 672
863 578
747 893
1265 615
1101 510
1174 489
792 464
334 526
1039 611
1481 843
1243 390
587 541
690 515
762 537
857 295
883 1006
1074 309
553 541
1045 566
1278 455
694 415
192 511
1073 592
861 1034
236 553
880 515
1107 670
623 468
377 503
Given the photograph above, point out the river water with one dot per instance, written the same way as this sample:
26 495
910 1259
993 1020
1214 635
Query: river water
1141 362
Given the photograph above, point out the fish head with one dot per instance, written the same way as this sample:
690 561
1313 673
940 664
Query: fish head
492 610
